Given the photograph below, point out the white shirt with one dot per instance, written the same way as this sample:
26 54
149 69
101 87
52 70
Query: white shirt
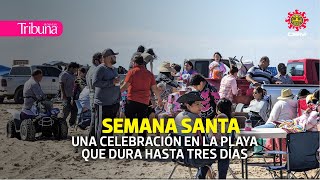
84 98
260 107
283 110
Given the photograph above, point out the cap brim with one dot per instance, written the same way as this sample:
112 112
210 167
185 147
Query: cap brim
189 97
115 53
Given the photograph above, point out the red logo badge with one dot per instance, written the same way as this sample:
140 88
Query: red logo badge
297 20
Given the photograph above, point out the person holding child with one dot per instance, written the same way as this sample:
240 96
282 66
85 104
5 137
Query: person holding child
216 68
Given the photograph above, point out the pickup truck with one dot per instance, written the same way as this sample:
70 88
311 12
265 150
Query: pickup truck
11 86
297 69
303 72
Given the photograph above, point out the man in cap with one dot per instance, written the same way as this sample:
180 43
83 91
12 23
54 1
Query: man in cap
284 109
283 76
139 81
105 80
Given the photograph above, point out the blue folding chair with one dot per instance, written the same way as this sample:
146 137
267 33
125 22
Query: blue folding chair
302 155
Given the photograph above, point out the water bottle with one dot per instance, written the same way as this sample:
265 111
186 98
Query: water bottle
248 125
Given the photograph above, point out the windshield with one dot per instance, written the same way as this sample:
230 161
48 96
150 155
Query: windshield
295 69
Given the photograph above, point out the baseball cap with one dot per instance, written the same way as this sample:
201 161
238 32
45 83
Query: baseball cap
108 52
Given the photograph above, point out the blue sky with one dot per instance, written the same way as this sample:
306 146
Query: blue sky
176 29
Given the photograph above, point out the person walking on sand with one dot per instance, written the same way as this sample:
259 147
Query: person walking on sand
67 79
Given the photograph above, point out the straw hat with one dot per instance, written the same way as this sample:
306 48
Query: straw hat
285 94
165 67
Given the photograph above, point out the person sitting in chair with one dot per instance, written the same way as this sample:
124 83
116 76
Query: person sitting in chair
191 106
84 100
258 108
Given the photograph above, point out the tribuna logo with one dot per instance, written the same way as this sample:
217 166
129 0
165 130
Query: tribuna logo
43 29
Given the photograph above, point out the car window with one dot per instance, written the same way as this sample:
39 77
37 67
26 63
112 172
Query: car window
43 69
295 69
53 72
202 67
20 71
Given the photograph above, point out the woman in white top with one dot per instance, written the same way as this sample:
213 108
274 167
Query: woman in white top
216 68
258 106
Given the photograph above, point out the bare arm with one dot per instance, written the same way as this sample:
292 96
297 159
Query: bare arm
151 66
156 91
249 79
124 86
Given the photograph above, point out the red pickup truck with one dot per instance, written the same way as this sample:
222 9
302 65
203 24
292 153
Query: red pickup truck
297 69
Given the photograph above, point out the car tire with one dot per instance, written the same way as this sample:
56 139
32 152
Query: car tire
60 131
1 100
18 96
27 130
11 129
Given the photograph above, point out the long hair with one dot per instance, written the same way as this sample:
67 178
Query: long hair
224 106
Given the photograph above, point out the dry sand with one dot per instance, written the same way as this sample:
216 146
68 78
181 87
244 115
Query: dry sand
57 159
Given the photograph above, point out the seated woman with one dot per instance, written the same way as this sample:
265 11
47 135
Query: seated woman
191 105
188 69
258 108
310 119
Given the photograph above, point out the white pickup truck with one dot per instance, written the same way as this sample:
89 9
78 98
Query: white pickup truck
11 86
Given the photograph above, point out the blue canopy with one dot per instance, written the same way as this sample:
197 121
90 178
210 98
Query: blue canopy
4 70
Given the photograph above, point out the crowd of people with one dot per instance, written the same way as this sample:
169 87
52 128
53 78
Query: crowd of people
140 95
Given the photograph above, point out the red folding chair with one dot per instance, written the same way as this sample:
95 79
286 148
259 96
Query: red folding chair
302 106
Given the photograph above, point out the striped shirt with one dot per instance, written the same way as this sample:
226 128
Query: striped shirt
261 75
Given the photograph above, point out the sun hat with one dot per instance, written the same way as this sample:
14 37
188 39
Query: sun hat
285 94
165 67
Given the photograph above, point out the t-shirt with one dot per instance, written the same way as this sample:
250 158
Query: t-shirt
68 79
89 77
209 95
219 66
283 110
185 115
286 79
106 93
261 75
31 92
84 98
228 87
140 80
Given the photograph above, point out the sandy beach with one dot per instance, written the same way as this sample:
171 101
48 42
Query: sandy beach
46 158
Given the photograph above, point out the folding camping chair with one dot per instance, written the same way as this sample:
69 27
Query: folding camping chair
303 155
180 162
302 106
83 118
